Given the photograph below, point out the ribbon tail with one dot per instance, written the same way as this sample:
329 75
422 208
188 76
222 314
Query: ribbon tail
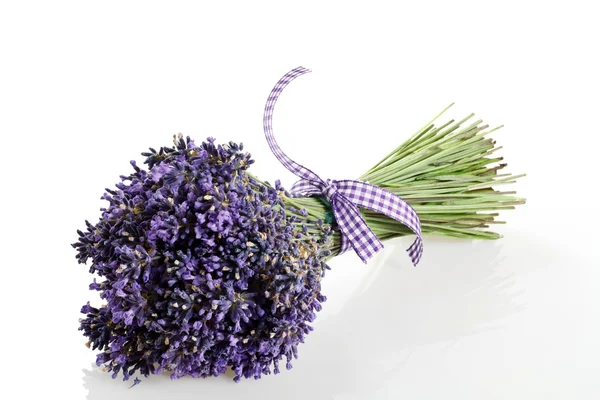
295 168
383 201
415 251
357 233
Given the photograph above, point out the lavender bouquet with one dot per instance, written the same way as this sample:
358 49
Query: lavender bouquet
205 267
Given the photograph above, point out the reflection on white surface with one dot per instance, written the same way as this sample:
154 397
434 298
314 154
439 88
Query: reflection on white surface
460 289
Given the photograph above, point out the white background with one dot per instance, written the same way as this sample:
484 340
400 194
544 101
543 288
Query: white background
87 86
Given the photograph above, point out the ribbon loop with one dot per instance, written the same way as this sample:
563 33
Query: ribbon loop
345 196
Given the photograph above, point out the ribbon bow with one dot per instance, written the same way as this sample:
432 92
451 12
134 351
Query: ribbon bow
345 196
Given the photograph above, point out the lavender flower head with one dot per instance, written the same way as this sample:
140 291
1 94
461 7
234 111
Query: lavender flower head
202 267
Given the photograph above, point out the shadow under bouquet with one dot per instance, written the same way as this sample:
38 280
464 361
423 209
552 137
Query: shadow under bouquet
205 267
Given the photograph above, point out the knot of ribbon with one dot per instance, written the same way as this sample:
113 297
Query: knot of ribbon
345 196
329 190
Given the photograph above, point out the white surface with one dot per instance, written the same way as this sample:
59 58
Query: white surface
85 87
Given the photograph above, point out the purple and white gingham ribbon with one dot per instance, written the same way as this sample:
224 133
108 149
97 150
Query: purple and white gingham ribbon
345 196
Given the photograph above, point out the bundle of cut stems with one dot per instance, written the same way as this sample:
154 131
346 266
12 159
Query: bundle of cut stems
447 173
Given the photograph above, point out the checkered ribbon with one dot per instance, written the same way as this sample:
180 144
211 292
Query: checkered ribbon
345 196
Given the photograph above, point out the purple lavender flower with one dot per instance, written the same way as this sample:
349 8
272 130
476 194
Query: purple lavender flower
136 381
204 268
